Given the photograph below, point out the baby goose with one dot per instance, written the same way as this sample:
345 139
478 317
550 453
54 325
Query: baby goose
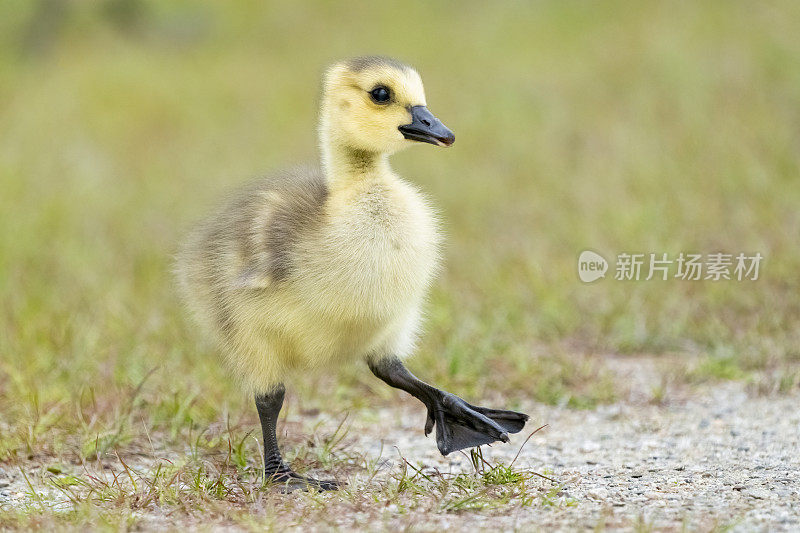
311 268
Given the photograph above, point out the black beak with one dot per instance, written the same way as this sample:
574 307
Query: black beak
426 128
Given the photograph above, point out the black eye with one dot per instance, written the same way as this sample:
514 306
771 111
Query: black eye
380 94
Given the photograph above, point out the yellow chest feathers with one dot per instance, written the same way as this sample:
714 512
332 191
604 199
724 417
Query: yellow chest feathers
376 253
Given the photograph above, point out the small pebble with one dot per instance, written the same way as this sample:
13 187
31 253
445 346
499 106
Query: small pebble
598 494
759 494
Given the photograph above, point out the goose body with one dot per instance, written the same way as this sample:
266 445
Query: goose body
293 275
310 268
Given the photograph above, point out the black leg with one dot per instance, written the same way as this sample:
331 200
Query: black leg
269 407
275 470
458 424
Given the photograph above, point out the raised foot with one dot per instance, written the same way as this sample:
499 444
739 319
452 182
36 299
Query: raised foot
288 481
460 425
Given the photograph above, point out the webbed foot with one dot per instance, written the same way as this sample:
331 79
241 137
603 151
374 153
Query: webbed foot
288 481
461 425
458 424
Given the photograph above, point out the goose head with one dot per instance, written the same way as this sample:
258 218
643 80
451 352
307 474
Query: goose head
377 105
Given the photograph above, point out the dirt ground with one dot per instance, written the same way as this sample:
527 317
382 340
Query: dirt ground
714 457
709 458
721 459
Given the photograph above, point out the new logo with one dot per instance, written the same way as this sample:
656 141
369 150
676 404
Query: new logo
591 266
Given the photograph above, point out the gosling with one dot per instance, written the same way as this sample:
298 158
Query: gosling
312 268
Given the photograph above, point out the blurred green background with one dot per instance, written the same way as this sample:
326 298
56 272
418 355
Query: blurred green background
616 126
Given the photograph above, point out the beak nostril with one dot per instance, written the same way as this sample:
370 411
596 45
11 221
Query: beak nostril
425 127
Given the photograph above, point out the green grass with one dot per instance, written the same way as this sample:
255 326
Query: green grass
215 484
610 126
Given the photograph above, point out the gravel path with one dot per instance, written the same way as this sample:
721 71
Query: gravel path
722 458
706 458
